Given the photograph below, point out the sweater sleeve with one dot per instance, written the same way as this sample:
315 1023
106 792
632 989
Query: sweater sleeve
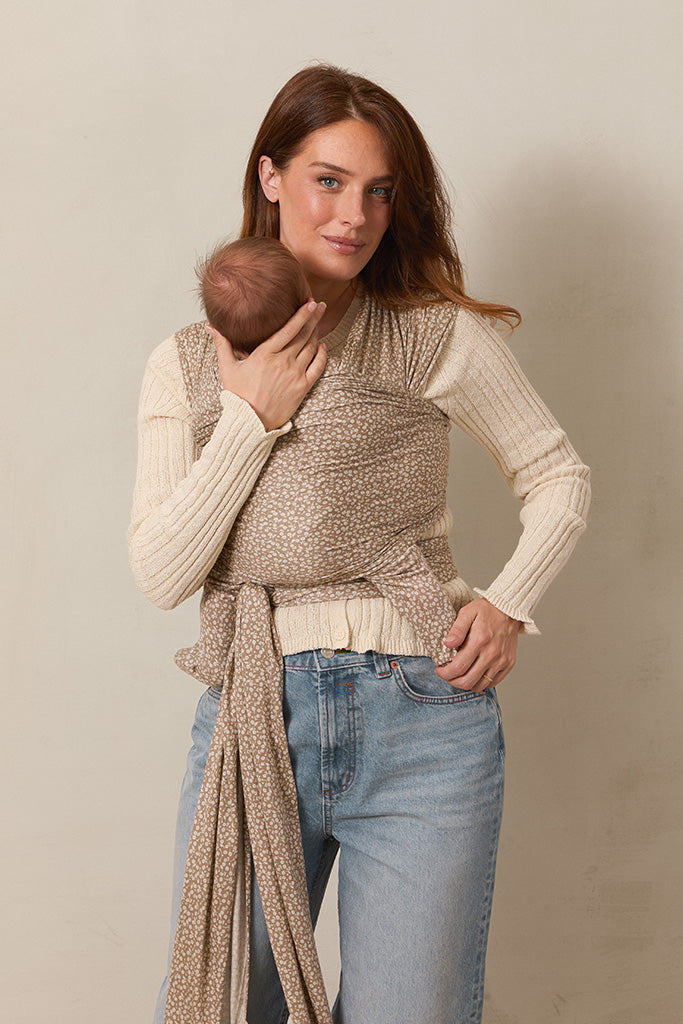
185 502
476 382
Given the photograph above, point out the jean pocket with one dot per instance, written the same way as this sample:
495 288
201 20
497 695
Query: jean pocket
416 678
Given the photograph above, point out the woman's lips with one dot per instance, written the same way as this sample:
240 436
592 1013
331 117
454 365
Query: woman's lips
346 246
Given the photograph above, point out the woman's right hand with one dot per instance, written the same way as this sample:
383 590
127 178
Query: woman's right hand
280 371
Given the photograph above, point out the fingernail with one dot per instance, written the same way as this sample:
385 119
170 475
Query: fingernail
311 307
322 305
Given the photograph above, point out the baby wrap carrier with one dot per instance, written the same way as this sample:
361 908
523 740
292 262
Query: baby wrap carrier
338 511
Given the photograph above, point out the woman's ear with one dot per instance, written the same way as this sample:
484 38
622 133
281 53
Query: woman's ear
269 177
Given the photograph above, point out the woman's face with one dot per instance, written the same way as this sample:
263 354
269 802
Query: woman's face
334 199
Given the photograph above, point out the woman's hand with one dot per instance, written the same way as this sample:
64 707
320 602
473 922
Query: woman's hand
486 639
276 376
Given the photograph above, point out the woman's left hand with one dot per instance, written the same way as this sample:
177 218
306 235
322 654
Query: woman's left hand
486 639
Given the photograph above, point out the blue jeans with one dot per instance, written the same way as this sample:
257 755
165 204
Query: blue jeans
403 775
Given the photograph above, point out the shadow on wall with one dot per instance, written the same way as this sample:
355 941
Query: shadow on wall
584 247
586 252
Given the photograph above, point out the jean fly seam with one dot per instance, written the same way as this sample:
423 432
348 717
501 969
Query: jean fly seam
350 691
334 792
325 756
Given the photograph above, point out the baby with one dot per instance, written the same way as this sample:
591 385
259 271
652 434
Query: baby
250 289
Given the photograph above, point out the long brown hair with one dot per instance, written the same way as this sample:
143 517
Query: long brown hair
417 261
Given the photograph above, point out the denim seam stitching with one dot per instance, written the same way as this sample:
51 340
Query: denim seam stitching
325 757
417 698
351 725
332 793
499 717
480 967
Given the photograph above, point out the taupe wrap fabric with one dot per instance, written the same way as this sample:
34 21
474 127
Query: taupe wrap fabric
338 511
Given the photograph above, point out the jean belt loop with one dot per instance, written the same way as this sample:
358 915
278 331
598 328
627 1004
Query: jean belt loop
382 667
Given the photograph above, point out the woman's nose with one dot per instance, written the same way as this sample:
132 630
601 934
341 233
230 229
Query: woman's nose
352 211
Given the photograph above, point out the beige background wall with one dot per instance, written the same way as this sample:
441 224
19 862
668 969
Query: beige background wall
126 130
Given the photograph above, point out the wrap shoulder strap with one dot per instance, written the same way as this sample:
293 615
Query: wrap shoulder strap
199 365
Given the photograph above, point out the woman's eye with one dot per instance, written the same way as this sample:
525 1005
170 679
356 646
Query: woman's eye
382 192
328 182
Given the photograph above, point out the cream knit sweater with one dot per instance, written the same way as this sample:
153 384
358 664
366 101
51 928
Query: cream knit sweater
184 506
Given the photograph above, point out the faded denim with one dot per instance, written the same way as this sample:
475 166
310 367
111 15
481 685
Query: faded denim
403 776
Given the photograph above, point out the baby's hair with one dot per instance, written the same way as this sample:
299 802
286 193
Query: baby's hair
250 289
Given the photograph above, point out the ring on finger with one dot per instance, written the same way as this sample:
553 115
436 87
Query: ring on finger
488 677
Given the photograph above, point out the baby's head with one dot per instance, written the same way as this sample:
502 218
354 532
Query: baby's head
250 289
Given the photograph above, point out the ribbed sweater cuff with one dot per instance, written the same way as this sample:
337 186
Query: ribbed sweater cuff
528 625
240 409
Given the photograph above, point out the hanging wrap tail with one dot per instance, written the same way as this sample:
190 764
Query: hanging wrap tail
249 734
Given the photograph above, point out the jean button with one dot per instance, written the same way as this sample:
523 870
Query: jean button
327 652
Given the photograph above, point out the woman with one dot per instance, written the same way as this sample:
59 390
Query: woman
397 765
